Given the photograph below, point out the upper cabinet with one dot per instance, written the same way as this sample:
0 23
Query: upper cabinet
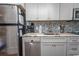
35 12
50 11
53 11
76 5
31 11
66 11
42 11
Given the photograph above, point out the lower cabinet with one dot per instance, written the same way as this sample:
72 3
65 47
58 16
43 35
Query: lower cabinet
72 48
50 46
53 49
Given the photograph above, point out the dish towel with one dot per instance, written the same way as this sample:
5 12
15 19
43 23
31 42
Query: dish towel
2 45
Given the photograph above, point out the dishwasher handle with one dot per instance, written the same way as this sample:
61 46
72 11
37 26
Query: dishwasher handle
32 41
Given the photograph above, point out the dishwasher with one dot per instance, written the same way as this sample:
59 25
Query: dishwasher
31 46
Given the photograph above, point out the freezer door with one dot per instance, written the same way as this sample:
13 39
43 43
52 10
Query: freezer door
8 14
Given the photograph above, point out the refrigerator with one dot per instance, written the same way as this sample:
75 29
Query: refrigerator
10 18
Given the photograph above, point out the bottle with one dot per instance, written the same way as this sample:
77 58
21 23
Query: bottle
40 28
32 27
62 28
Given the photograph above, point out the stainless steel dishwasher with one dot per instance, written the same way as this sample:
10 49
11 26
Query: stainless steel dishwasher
31 46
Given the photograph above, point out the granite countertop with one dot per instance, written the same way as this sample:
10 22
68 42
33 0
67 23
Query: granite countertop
41 34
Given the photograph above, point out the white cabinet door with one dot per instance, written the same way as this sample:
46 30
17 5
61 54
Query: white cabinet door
53 49
31 11
76 5
72 48
53 11
42 11
66 11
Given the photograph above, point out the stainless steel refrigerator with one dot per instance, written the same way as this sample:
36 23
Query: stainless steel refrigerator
9 20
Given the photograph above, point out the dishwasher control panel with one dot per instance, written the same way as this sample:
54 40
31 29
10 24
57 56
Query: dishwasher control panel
31 39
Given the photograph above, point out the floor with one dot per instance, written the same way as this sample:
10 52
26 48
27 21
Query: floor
5 54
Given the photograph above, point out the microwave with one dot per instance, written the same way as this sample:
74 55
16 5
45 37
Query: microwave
76 13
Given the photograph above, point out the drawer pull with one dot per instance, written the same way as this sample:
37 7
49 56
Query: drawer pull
74 40
74 49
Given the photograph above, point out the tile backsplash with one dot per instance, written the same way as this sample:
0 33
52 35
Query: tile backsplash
54 26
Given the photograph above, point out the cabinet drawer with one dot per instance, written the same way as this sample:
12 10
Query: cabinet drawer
72 45
73 39
53 39
73 51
